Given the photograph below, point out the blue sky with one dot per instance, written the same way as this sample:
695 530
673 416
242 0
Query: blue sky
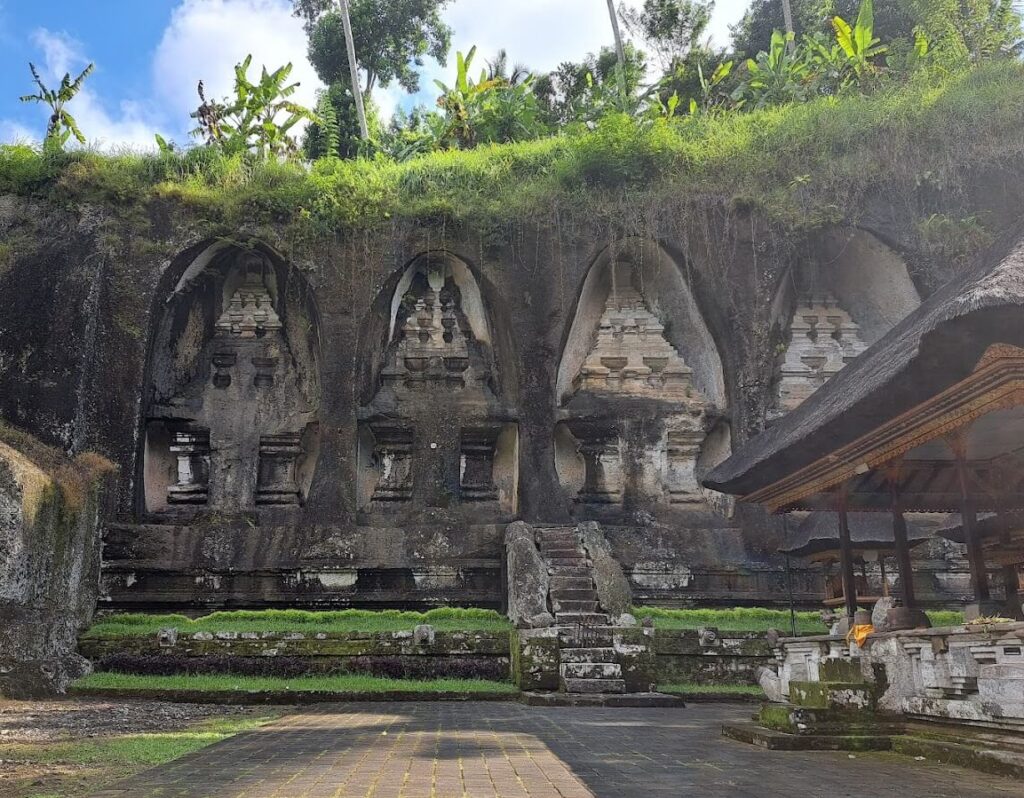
150 54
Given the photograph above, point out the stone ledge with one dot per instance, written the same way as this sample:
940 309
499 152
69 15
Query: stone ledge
753 734
283 697
602 700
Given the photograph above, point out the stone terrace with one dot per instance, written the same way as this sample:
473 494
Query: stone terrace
405 750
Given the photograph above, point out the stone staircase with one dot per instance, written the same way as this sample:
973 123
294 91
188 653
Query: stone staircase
588 662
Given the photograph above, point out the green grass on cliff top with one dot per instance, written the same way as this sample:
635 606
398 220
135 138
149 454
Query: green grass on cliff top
445 619
349 683
803 165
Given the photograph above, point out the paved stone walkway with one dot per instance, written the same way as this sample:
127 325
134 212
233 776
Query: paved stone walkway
480 750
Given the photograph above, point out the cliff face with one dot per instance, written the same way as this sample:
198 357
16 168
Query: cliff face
119 331
337 387
49 562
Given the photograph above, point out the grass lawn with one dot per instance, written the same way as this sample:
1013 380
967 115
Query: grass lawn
445 619
740 619
704 689
352 683
79 767
756 619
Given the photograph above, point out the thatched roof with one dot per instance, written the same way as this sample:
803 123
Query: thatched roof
935 347
989 526
819 532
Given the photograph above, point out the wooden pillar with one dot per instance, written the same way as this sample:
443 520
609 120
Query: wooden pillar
846 557
899 533
979 576
1011 581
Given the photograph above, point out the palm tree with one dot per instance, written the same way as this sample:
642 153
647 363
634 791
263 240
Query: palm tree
498 70
62 125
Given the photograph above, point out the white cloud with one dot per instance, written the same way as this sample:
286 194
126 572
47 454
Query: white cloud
206 38
131 125
16 133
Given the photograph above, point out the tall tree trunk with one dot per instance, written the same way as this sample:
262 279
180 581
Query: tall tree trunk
357 93
619 52
787 17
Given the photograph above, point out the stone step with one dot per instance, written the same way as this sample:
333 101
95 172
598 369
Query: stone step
569 605
976 757
780 741
594 685
591 670
572 583
578 571
570 639
556 699
570 594
598 619
569 541
569 562
587 655
563 553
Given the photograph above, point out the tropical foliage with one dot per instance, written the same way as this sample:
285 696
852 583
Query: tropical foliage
62 125
840 48
260 117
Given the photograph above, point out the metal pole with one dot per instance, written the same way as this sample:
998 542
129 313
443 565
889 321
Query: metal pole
357 92
620 53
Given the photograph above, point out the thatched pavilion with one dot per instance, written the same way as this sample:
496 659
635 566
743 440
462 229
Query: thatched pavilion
928 419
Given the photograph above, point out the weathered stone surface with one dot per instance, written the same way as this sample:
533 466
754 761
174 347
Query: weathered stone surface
423 635
528 579
613 590
535 660
879 613
118 319
49 563
771 684
323 644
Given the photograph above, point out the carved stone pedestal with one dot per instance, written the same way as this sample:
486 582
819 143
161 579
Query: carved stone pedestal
192 449
477 463
392 453
278 455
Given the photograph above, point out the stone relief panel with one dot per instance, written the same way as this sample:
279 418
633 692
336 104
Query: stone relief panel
823 339
635 416
630 355
237 426
436 433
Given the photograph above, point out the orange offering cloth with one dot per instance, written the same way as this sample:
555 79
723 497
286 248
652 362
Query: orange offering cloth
860 633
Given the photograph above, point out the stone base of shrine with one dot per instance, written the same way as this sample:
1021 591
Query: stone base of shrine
954 694
972 674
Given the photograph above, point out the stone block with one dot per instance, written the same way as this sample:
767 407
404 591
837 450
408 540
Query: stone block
535 659
528 579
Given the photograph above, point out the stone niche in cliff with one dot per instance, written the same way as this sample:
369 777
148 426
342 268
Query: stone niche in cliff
233 398
640 388
853 292
436 432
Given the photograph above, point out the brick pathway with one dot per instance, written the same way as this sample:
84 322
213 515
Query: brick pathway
424 750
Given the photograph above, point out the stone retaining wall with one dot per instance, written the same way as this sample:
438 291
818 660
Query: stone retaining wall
529 656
